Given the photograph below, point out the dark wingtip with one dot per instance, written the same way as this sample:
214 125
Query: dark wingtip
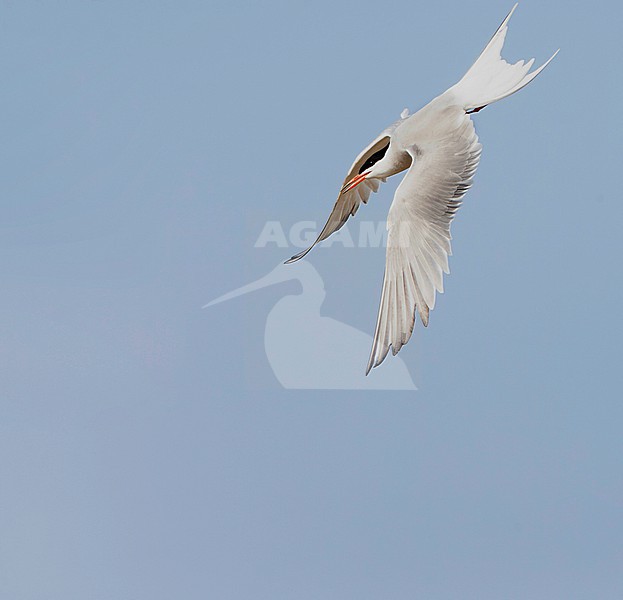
293 259
297 256
370 366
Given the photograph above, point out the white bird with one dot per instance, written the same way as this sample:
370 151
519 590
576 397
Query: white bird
439 146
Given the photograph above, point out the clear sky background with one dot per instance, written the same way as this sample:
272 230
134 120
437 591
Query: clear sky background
147 451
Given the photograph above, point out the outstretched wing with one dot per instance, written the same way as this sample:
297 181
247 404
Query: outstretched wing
348 202
445 159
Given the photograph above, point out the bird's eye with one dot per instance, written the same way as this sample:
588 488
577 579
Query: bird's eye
378 155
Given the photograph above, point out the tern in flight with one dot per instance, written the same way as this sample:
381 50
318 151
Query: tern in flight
439 147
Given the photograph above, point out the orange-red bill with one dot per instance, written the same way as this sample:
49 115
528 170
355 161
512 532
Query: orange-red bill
354 182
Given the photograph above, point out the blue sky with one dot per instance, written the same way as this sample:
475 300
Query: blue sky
147 449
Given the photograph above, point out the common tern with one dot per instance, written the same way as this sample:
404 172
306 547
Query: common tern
439 147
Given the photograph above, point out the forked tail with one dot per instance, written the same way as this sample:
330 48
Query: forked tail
491 78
